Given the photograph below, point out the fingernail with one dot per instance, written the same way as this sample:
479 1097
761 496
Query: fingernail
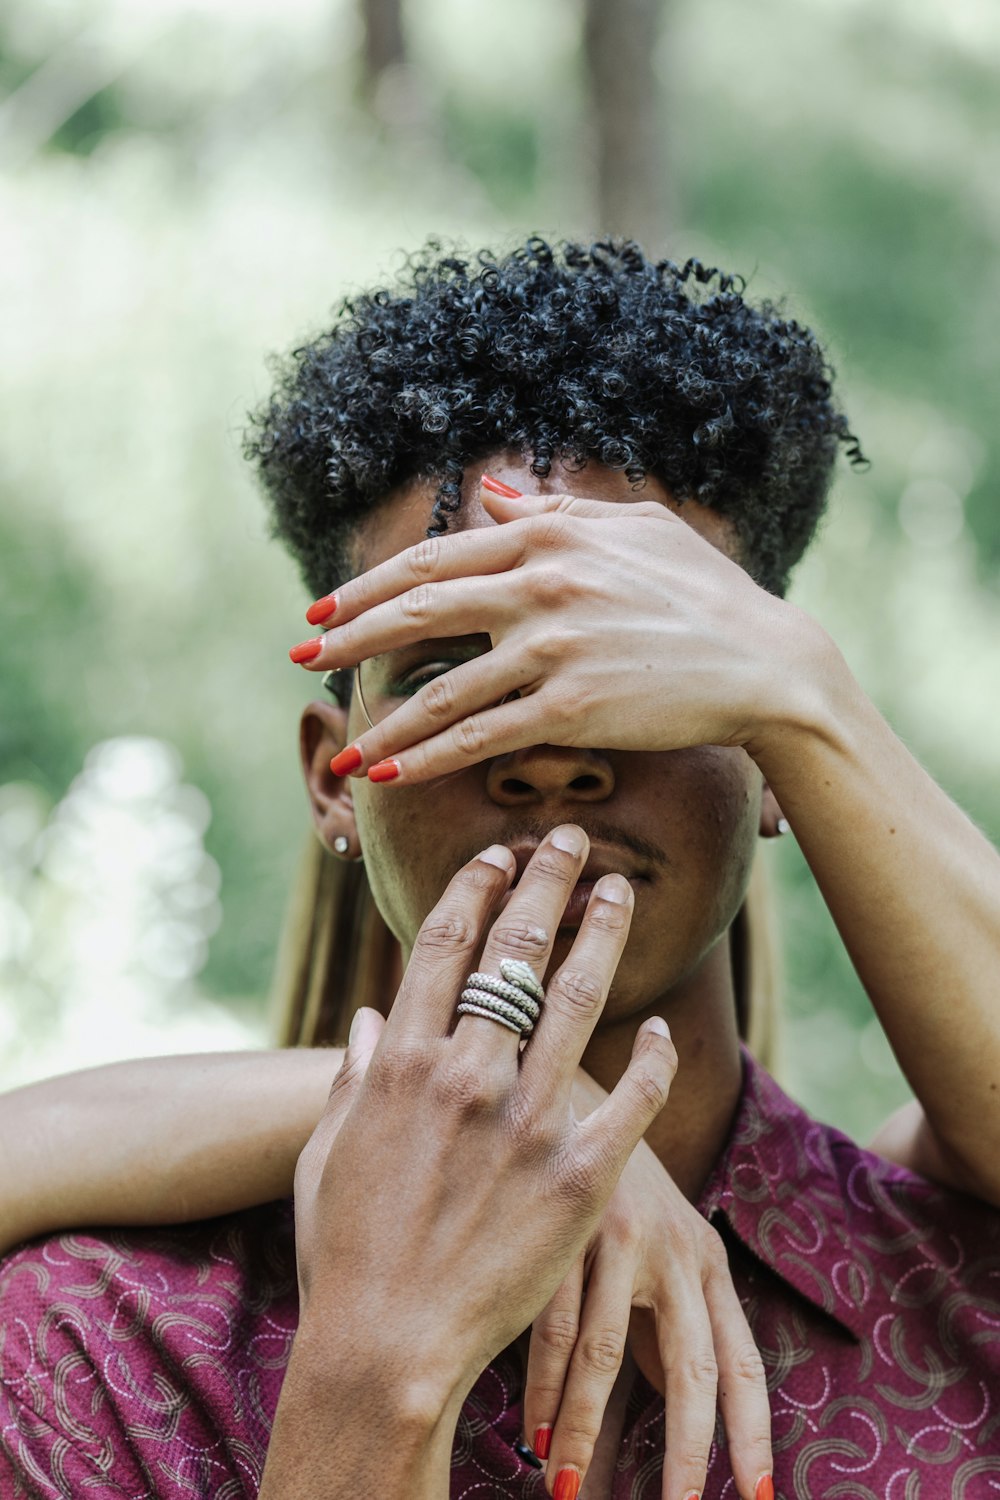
571 840
306 650
384 770
498 488
613 888
693 1495
659 1025
355 1030
567 1485
499 855
348 760
543 1438
764 1488
322 609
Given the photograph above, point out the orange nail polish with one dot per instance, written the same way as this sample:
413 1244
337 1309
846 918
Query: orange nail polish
498 488
384 770
307 650
567 1485
543 1438
348 760
764 1488
322 609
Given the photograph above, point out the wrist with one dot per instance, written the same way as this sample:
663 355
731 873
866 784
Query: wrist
811 684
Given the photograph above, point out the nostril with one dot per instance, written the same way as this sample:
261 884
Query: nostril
585 783
515 788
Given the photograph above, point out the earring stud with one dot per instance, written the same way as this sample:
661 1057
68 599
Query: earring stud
783 826
341 844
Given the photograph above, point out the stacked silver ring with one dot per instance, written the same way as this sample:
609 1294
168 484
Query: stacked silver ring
515 999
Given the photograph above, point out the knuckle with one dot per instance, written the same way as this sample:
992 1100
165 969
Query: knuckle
461 1087
521 940
746 1365
691 1460
550 531
558 1335
439 697
446 931
581 991
470 737
553 864
702 1372
404 1062
553 647
652 1088
602 1353
416 605
424 558
714 1252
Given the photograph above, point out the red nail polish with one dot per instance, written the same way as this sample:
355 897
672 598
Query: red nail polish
322 609
384 770
348 760
543 1440
567 1485
764 1488
500 489
307 650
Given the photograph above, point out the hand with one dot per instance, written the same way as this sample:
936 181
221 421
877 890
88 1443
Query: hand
617 625
656 1274
430 1276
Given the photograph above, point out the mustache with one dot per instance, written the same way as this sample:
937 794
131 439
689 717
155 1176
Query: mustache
597 830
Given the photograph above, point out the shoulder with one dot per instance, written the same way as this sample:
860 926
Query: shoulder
157 1352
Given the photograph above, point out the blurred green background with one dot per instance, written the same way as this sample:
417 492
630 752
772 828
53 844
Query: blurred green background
187 186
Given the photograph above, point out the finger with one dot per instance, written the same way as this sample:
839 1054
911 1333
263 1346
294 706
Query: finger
460 554
611 1132
743 1399
428 612
691 1375
577 991
480 735
366 1030
526 929
516 508
596 1361
453 695
445 946
550 1349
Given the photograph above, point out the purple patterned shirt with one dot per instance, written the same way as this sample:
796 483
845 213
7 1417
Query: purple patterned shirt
148 1363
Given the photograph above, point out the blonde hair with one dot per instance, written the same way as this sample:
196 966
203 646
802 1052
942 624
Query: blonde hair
337 954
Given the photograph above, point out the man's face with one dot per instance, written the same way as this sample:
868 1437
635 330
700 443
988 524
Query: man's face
681 824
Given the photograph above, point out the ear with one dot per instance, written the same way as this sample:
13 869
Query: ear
322 733
772 819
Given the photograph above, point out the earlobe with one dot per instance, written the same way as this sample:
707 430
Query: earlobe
322 733
773 822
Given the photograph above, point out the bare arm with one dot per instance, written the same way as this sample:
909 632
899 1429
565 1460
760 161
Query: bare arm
914 888
161 1140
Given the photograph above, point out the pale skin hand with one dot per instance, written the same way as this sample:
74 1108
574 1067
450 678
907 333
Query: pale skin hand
484 1250
691 651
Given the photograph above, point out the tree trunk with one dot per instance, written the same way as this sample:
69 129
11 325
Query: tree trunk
620 41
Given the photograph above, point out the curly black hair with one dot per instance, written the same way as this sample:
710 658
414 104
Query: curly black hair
572 352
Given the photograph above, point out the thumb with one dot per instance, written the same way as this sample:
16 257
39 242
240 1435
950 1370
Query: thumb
513 507
366 1029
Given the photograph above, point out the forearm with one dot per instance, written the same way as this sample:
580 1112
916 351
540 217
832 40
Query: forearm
159 1140
343 1428
914 889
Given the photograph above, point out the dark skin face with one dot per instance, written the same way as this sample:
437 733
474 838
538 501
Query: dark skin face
681 824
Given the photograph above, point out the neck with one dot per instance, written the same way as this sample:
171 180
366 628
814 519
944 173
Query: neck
690 1132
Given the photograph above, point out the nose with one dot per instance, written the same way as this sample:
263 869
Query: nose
542 773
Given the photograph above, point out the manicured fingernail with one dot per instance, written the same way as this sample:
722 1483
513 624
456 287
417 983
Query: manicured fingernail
543 1438
764 1488
384 770
322 609
693 1495
347 761
307 650
567 1485
498 488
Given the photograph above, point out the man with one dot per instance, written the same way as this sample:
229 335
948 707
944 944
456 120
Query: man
640 681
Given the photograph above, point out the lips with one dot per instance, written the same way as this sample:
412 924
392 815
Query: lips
601 860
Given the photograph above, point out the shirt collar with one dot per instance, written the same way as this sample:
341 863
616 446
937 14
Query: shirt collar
778 1187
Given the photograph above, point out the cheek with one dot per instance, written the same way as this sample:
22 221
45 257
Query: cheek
728 787
397 844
